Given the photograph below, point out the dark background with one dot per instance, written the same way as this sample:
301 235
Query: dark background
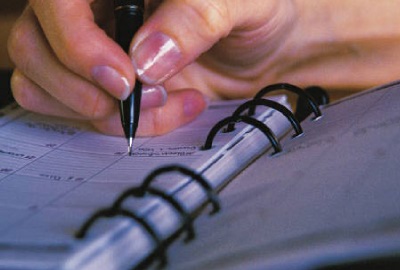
9 12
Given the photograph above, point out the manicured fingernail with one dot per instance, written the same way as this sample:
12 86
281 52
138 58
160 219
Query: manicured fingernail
153 96
112 81
156 58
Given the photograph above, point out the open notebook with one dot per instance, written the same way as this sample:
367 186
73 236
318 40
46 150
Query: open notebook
55 174
329 201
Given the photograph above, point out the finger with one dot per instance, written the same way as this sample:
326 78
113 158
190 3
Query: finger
179 31
153 96
182 107
176 34
82 46
35 60
31 97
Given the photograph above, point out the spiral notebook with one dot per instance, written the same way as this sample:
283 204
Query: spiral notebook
329 201
71 198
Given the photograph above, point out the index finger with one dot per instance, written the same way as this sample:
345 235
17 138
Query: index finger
82 46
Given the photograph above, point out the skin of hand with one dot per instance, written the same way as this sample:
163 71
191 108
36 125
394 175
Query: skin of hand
67 64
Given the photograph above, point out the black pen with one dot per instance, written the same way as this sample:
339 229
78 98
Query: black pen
128 20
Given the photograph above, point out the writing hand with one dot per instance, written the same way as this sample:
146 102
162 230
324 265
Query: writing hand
67 65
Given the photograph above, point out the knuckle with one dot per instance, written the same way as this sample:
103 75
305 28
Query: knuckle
213 16
71 50
156 124
68 51
98 107
18 41
20 91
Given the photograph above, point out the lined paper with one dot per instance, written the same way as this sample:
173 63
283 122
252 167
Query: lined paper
330 197
55 173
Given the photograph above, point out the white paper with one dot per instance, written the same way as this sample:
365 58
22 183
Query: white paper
55 173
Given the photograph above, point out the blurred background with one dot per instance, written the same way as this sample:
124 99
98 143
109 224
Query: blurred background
9 12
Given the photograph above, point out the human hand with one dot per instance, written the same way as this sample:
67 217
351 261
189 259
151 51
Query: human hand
67 66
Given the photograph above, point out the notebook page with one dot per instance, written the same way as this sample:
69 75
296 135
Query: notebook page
54 173
331 196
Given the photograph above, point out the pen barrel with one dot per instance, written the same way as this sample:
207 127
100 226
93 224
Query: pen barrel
128 20
129 113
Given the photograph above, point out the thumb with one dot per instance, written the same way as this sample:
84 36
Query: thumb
176 34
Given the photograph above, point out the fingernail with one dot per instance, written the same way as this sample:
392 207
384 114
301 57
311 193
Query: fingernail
156 58
153 96
112 81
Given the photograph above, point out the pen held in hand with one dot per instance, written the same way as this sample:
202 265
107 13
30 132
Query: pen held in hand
128 20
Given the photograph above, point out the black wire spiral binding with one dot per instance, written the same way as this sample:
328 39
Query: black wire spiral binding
141 190
116 209
303 109
268 103
313 105
186 217
249 120
113 212
145 188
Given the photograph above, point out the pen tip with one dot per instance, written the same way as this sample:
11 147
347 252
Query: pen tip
130 142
